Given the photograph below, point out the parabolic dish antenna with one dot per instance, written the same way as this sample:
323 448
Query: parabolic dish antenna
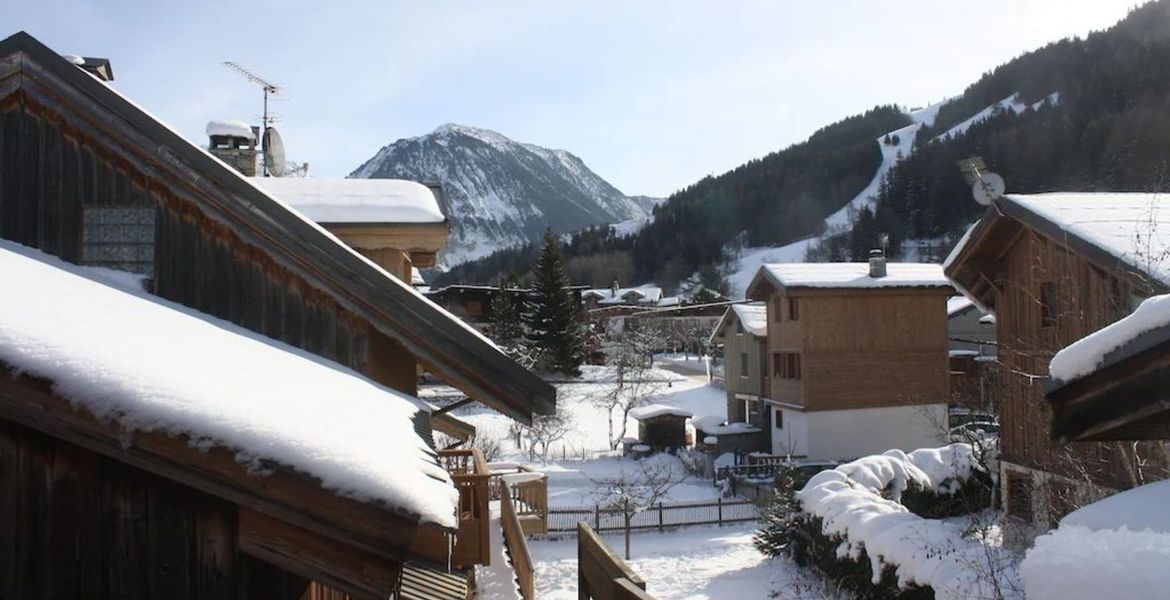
987 188
274 159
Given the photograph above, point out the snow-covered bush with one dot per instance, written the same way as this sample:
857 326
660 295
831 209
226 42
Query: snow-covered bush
870 526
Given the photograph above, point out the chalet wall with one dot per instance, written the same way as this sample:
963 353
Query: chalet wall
862 350
50 170
1082 298
74 524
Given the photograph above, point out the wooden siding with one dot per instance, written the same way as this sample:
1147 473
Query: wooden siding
75 524
49 172
1086 298
755 380
862 350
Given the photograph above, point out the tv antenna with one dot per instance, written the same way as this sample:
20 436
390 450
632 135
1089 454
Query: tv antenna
986 186
267 120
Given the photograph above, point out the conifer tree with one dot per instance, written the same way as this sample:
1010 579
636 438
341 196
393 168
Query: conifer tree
504 315
551 314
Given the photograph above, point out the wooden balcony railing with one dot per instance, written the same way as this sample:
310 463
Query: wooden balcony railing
601 574
471 476
517 543
529 492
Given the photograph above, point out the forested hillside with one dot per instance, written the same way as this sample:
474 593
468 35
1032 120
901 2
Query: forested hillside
1089 114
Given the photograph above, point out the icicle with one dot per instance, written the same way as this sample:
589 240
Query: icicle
450 544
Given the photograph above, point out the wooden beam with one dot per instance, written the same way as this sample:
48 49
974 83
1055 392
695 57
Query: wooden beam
284 494
318 558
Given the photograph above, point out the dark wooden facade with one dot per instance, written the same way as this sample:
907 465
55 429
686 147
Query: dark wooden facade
199 523
1047 290
69 143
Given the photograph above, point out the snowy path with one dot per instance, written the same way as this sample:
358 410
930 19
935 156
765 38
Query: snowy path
693 564
497 580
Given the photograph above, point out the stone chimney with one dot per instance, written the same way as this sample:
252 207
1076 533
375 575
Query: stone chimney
234 142
877 263
614 287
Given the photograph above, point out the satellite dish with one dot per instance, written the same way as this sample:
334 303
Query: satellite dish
274 161
987 188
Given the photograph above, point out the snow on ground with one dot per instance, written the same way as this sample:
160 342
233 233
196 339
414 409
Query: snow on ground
686 362
1122 538
571 478
692 564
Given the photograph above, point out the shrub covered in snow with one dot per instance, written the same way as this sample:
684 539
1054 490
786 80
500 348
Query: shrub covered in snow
870 526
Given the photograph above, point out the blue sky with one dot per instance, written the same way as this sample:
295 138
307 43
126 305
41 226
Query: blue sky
652 95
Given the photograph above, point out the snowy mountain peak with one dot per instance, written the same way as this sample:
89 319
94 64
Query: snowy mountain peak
500 192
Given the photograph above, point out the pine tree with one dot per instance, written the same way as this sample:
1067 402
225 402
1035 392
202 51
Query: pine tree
551 314
504 316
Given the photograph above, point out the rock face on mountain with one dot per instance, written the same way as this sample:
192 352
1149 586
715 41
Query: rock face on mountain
500 192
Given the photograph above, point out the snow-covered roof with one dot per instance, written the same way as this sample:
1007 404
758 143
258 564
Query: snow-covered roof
229 128
670 301
716 425
1116 546
988 319
149 364
645 293
356 200
1122 224
855 275
753 316
1143 507
651 411
416 277
958 304
1108 344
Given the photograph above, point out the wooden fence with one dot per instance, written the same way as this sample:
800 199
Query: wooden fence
517 545
601 574
564 519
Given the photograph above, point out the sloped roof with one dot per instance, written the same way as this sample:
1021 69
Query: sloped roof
1113 230
364 201
752 315
645 293
450 348
958 304
849 276
154 365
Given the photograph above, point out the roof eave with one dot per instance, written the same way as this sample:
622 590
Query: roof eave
463 359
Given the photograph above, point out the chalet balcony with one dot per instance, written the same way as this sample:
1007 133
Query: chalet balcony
470 473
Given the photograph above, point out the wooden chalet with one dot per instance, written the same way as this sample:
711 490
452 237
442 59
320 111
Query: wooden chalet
400 225
89 178
1054 268
857 356
743 333
1125 394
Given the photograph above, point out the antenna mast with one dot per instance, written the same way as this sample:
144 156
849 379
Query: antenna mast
267 86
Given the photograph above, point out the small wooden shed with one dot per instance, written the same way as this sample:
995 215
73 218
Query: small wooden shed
662 427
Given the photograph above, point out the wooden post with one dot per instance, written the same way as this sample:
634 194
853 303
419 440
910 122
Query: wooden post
597 516
659 517
720 505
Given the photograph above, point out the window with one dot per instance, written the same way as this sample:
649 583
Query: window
777 305
793 309
118 238
786 365
1048 301
777 418
743 364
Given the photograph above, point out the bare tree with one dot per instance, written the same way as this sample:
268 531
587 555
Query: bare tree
633 492
634 383
490 446
545 430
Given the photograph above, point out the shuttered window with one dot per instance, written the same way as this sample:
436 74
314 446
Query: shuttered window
786 365
793 309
